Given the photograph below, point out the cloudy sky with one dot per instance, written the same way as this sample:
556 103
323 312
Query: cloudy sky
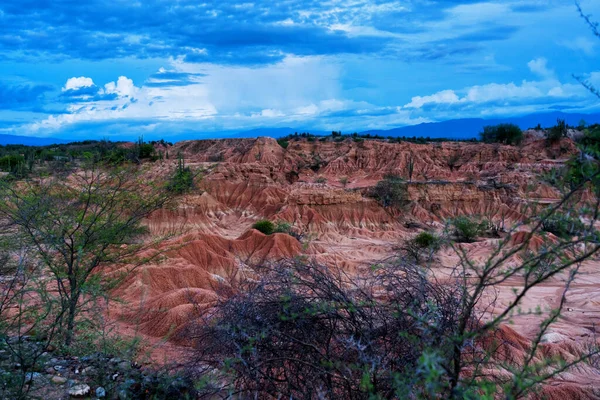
161 68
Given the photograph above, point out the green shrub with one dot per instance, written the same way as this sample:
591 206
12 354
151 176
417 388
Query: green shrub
557 132
265 226
282 227
502 133
422 246
391 192
283 143
427 240
183 179
563 226
321 179
466 229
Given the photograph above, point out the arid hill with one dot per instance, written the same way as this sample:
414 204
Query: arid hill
321 188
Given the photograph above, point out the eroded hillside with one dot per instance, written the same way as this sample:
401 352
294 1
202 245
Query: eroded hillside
321 188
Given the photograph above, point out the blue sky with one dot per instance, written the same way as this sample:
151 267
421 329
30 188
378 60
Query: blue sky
160 68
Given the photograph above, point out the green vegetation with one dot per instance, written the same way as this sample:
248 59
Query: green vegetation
466 229
509 134
557 132
265 226
183 179
391 192
563 226
423 246
283 143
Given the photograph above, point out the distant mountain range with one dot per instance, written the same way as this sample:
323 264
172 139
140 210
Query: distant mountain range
30 140
465 128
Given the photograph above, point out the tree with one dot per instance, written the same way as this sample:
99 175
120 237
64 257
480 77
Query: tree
502 133
391 192
80 226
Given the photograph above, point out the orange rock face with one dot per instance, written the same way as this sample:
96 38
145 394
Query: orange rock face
320 188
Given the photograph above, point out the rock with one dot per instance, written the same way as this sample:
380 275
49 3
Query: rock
124 365
79 390
88 370
50 370
59 380
59 368
32 377
100 392
552 337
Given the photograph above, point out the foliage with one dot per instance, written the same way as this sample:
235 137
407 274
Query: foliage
563 226
466 229
422 246
282 227
182 180
265 226
391 192
283 143
301 332
76 227
321 179
557 132
502 133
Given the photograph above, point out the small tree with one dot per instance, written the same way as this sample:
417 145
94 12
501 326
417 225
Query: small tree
423 246
466 229
557 132
183 179
80 225
391 192
502 133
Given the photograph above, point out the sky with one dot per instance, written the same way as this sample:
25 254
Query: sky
166 68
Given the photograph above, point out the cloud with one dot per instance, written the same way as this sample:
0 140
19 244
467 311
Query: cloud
78 83
443 97
539 67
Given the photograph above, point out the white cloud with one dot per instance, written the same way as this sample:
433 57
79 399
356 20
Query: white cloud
443 97
77 83
124 87
539 67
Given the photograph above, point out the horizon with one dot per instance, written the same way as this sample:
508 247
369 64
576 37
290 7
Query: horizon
114 69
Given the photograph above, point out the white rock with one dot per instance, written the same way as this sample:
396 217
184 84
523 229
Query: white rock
79 390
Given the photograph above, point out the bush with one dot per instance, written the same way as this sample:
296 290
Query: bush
466 229
563 226
183 179
282 227
391 192
557 132
302 332
321 179
283 143
424 245
502 133
265 226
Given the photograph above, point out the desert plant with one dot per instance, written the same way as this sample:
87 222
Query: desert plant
557 132
502 133
265 226
321 179
563 226
183 179
79 226
466 229
422 247
390 192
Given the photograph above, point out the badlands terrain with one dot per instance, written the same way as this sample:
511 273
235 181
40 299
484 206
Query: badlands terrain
320 188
